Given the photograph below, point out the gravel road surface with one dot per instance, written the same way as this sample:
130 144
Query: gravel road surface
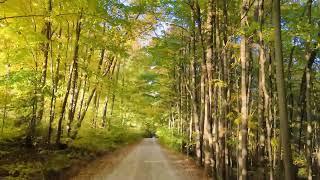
146 161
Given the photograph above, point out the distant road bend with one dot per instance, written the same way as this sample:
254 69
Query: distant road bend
147 161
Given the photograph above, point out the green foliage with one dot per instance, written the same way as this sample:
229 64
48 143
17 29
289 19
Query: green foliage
43 162
275 143
22 170
300 161
102 140
171 138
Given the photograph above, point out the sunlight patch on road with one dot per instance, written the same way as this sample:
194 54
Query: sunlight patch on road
154 161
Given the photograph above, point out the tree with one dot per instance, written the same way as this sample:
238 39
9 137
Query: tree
282 102
244 81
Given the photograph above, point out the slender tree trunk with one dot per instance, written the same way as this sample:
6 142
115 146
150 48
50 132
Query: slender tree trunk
309 124
308 96
55 82
63 108
104 114
37 113
284 125
263 99
70 81
207 89
268 118
290 95
96 109
194 82
97 95
84 90
46 49
116 66
203 76
108 68
74 86
225 93
190 88
83 114
244 99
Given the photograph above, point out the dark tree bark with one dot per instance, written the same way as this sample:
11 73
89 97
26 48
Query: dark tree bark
38 103
104 113
74 78
55 82
46 48
63 108
83 114
69 84
194 81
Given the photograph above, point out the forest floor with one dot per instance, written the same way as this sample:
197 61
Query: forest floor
49 162
144 161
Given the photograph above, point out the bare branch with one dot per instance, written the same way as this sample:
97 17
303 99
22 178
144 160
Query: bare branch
42 15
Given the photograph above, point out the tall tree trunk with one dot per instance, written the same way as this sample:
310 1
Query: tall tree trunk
96 102
263 97
207 85
194 82
74 86
46 48
203 76
69 84
84 90
244 99
117 68
309 124
284 125
104 113
63 108
225 91
83 114
289 77
38 112
55 81
268 113
309 55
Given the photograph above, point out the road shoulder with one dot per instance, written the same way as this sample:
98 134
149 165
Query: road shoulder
184 165
106 163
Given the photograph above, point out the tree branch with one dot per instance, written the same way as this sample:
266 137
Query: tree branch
248 9
22 16
42 15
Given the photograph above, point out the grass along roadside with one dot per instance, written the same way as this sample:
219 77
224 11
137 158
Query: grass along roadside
41 162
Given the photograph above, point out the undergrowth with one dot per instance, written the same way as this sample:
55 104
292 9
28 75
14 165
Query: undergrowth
43 162
171 138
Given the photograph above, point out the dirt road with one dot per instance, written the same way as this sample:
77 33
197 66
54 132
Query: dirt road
146 161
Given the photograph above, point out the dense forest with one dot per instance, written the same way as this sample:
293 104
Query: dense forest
233 84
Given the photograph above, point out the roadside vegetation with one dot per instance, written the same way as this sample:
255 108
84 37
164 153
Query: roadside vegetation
50 162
